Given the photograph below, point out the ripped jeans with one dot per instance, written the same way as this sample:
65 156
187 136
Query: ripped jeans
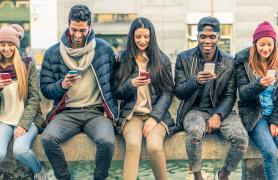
231 129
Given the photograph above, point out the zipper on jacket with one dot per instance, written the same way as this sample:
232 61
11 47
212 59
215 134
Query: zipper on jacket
224 67
211 98
210 94
275 91
194 66
102 93
193 70
123 125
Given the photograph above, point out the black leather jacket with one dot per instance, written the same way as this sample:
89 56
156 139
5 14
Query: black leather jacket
222 90
249 89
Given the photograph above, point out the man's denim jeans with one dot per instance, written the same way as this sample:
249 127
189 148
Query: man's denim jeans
69 123
267 145
231 129
21 148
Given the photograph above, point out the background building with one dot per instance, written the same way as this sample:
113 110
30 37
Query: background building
175 21
16 12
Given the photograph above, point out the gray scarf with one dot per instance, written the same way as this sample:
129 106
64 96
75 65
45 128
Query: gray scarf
85 56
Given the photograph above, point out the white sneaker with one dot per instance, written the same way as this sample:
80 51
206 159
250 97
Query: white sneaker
41 175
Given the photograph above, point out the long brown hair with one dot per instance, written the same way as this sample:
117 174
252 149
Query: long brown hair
21 73
256 63
161 77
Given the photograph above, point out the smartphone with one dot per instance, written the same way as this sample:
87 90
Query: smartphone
271 73
5 76
144 74
73 72
209 67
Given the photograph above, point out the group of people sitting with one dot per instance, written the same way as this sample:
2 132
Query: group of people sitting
101 93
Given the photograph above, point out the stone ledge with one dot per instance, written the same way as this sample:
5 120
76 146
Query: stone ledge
80 148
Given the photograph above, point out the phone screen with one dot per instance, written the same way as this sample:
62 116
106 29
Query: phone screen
270 73
144 74
73 72
209 67
5 76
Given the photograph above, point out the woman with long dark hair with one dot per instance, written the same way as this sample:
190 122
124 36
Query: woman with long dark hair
258 106
143 82
19 101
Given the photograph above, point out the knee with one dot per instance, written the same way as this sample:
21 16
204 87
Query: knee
154 148
269 154
48 139
133 146
241 141
105 141
20 152
3 153
195 135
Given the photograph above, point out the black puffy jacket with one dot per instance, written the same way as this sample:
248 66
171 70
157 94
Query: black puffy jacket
54 70
249 89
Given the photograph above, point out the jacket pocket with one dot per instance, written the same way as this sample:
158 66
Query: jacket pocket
249 113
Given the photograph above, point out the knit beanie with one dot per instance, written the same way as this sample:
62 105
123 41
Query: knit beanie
13 33
265 29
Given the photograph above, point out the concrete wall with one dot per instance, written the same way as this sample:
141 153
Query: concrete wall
81 147
43 23
247 16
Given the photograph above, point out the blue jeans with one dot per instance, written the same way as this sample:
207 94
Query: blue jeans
21 146
69 123
267 145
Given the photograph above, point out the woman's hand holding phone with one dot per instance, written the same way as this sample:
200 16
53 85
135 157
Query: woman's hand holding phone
141 80
267 81
5 80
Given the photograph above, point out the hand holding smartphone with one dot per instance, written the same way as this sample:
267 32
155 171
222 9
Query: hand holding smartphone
5 76
209 67
207 74
269 79
6 79
73 72
70 79
142 79
271 73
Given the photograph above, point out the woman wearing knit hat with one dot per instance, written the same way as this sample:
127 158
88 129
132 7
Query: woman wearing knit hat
257 84
19 100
